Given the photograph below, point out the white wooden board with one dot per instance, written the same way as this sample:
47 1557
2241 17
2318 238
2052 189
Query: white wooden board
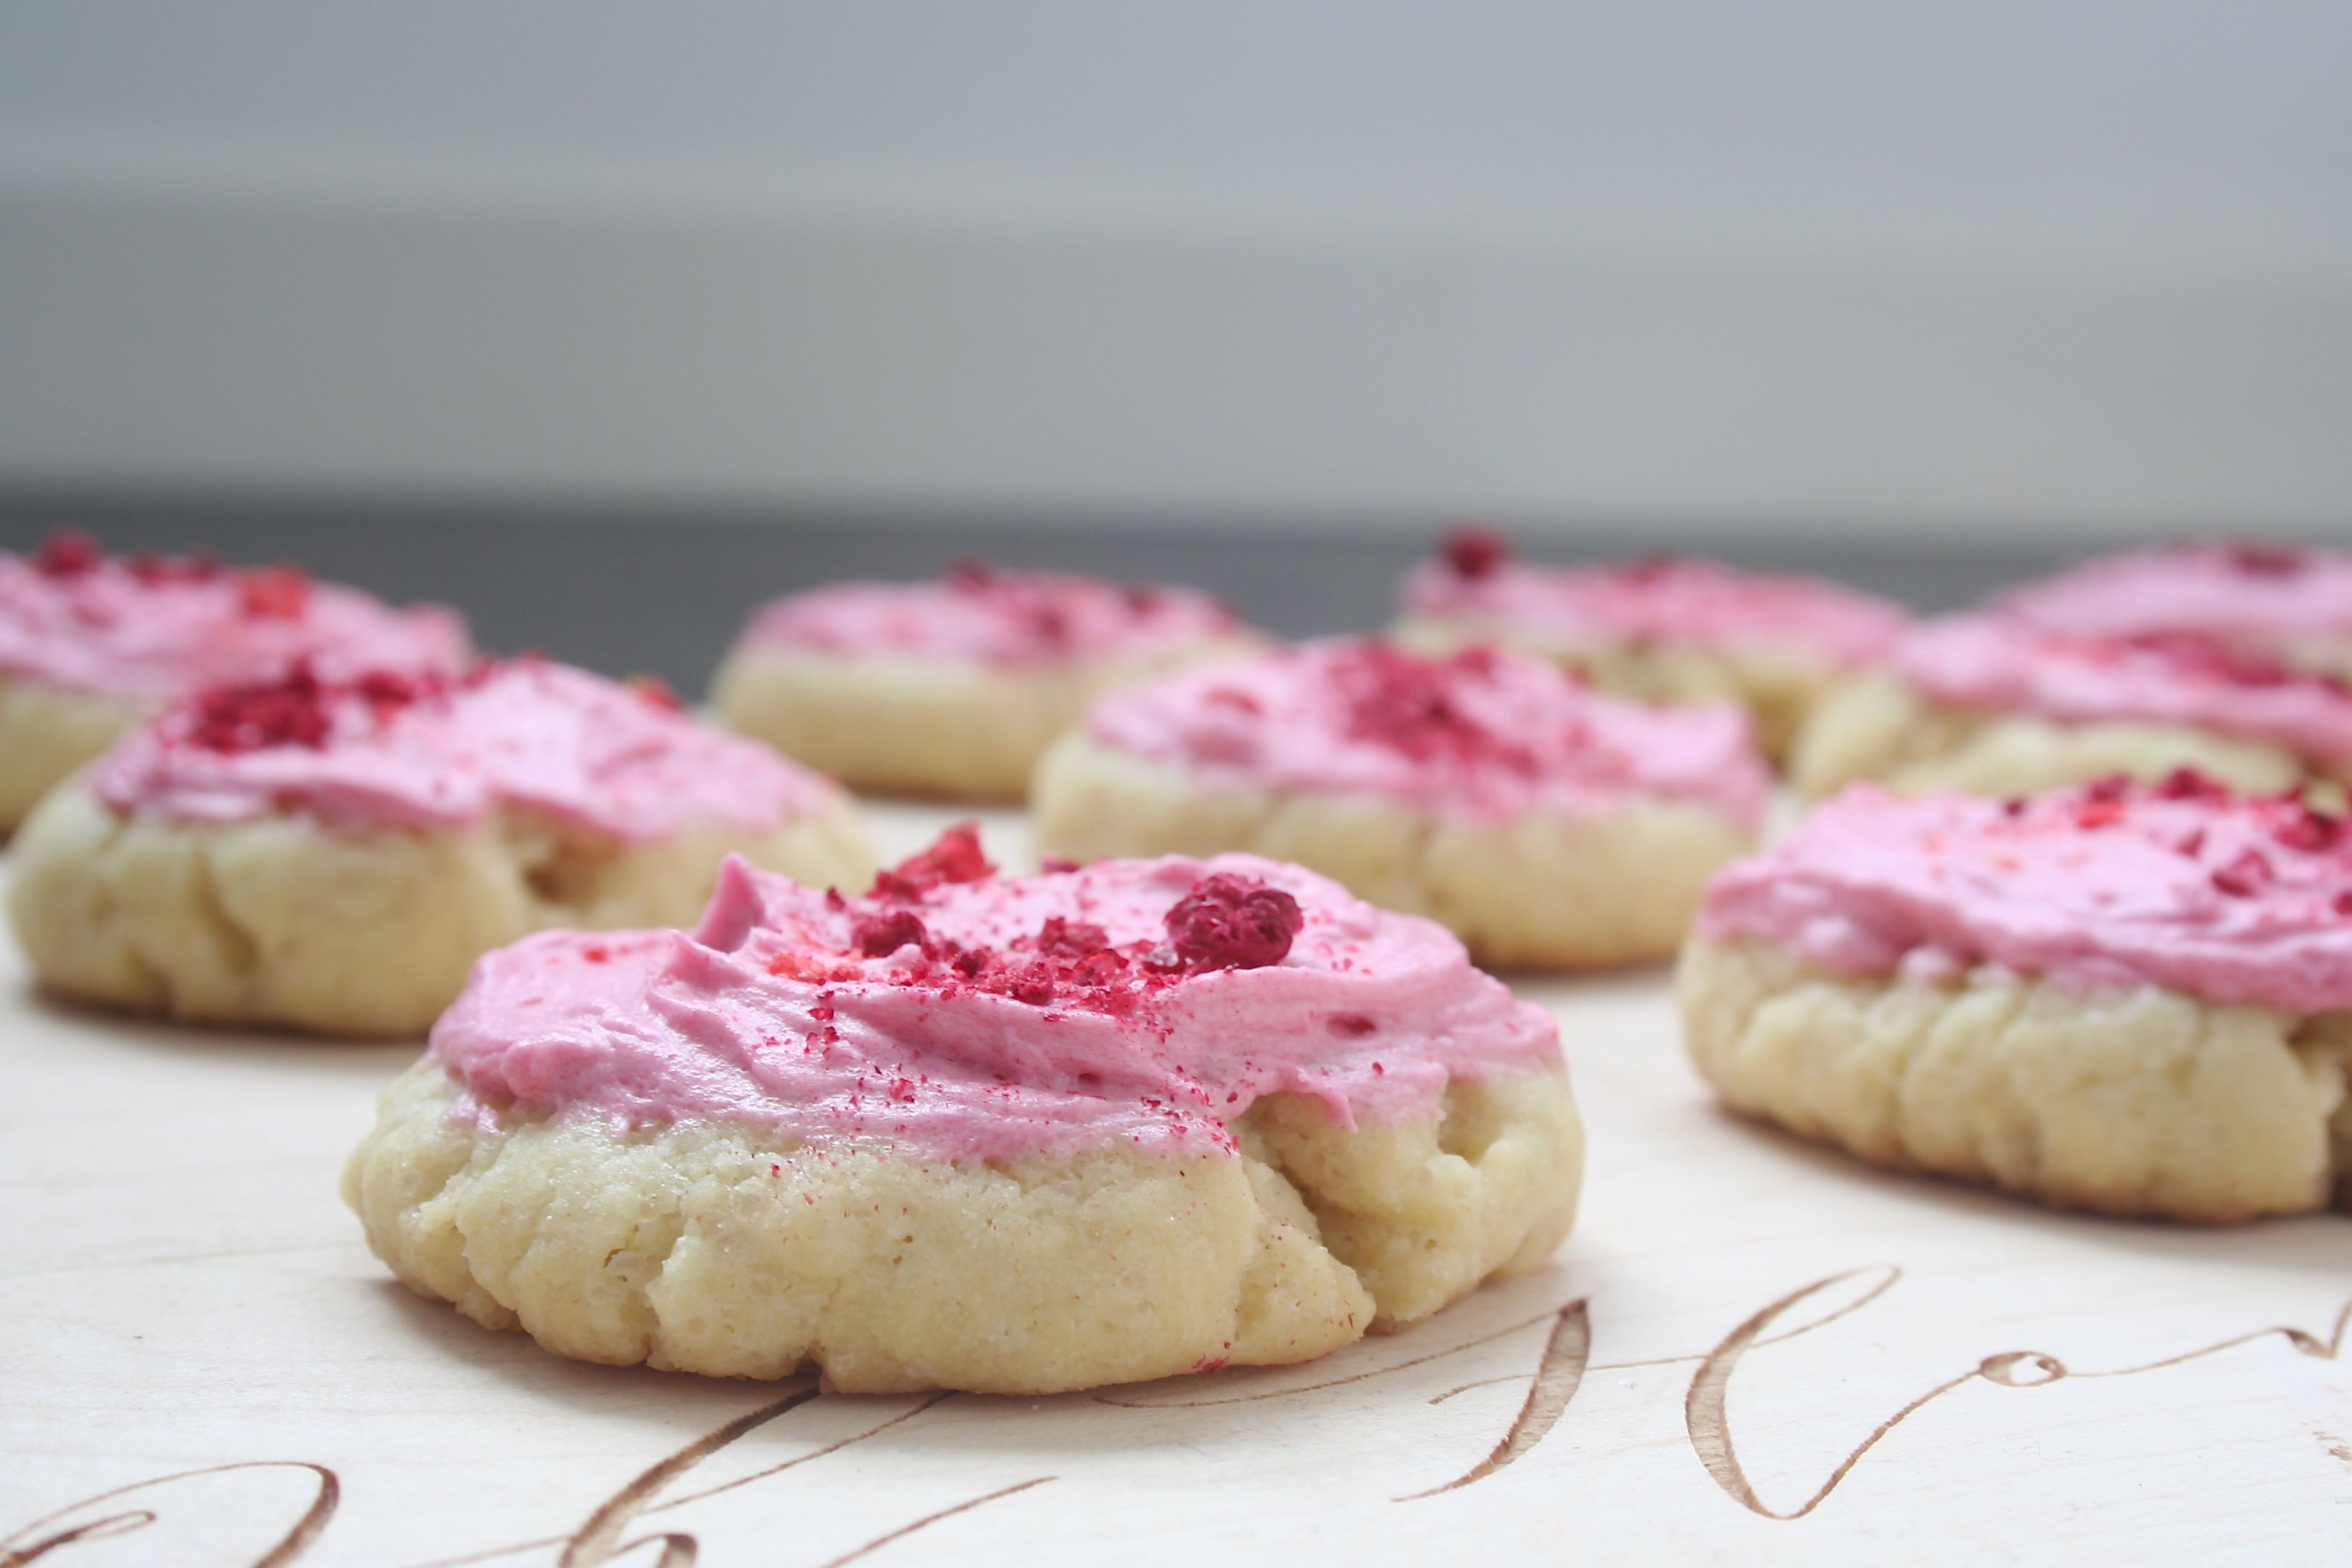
1749 1350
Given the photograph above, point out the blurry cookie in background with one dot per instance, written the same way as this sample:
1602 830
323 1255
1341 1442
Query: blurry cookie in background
2278 604
90 643
1665 629
1991 704
1548 825
953 688
332 855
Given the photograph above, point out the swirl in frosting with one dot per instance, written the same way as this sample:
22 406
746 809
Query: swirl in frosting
153 628
1482 732
980 613
1665 599
2256 595
2181 885
2007 665
389 750
1143 1001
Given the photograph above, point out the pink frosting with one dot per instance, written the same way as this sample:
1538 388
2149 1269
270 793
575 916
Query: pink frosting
1986 661
1484 732
153 629
982 1019
978 614
2183 886
387 750
2247 595
1668 599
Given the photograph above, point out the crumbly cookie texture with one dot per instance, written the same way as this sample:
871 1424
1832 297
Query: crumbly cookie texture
1879 726
48 731
284 920
898 724
2127 1100
1781 685
717 1247
1538 890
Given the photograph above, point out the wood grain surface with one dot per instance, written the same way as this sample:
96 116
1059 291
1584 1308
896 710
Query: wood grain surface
1749 1350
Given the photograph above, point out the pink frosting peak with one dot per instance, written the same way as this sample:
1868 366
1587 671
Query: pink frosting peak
978 613
964 1016
2249 594
387 750
2008 666
153 628
1475 580
2181 885
1482 732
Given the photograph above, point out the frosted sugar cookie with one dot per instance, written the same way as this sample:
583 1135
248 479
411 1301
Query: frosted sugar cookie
2127 998
1545 824
1666 629
1019 1137
90 643
2288 606
1991 704
952 689
333 855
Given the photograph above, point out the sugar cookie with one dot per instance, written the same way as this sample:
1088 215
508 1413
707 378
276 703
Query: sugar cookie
1016 1137
2126 998
333 855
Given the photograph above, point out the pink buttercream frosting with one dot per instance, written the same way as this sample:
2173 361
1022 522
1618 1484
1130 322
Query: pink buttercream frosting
1666 599
2257 595
388 751
2181 885
1484 732
982 1019
153 628
980 615
2002 664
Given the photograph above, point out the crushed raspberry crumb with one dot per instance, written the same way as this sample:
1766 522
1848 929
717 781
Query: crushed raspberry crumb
2187 784
1211 1363
291 711
2244 876
1070 939
2313 832
2268 560
1411 704
880 936
1057 865
274 592
2343 904
2111 787
1475 550
955 856
2097 814
68 552
1351 1024
1233 922
596 954
656 690
153 570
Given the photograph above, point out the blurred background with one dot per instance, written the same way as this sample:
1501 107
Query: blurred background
605 321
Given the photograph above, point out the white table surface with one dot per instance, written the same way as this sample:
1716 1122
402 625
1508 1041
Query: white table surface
1749 1350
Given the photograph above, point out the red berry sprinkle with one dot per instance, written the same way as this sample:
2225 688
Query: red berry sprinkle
954 857
880 936
1413 706
68 552
274 592
2187 784
2111 786
2097 814
2243 877
2268 560
2343 904
2313 832
653 689
288 712
1070 939
1475 550
1233 922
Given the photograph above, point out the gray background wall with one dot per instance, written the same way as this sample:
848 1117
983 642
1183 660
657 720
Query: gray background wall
2025 270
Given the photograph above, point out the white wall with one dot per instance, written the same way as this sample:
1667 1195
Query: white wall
1831 265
